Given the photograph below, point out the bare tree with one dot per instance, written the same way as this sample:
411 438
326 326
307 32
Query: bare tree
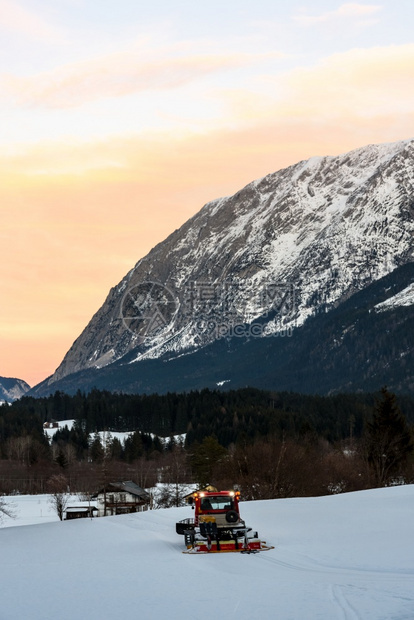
269 469
175 477
18 448
58 488
6 510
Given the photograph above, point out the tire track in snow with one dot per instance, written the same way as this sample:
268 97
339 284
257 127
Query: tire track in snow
299 563
338 597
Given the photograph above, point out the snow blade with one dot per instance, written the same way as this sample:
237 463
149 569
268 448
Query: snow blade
227 546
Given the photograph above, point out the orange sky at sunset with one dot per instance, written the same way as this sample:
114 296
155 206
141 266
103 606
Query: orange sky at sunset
118 129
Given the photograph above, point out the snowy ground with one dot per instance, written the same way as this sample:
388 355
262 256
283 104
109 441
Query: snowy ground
121 435
69 423
343 557
31 510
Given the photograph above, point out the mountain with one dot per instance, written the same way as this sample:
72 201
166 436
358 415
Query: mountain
273 261
362 344
12 389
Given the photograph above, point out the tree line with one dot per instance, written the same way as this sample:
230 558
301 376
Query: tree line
232 415
268 444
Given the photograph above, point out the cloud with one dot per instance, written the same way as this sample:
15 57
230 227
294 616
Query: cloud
16 19
348 89
360 82
116 76
349 10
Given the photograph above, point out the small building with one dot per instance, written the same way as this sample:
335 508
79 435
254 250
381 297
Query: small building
118 498
51 424
189 497
82 510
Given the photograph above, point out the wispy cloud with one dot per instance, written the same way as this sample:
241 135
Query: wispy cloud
363 82
351 10
343 90
15 18
116 76
366 91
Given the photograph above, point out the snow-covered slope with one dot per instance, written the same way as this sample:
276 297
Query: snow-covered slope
403 298
343 557
293 243
12 389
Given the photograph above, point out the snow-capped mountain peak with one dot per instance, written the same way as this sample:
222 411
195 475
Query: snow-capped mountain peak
291 244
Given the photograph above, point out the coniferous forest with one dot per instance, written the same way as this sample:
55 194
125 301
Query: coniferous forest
269 444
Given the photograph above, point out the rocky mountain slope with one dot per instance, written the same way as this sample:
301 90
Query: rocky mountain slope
11 389
295 244
361 345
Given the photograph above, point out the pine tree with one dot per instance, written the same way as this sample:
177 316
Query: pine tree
388 440
97 452
206 458
61 459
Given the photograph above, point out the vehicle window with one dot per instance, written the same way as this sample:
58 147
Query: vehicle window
217 503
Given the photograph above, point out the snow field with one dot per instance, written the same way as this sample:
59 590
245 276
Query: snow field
342 557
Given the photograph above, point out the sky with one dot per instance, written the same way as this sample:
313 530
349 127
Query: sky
121 119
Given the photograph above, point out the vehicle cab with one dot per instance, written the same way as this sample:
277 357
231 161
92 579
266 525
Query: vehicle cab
223 506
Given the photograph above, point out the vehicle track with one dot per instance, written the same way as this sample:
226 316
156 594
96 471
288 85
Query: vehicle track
339 599
298 563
